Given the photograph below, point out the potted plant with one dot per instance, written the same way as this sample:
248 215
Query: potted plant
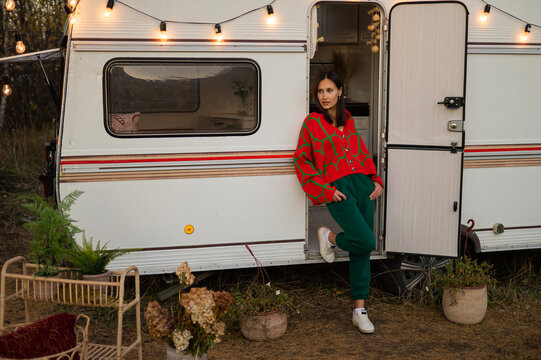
262 310
53 234
464 284
193 325
92 261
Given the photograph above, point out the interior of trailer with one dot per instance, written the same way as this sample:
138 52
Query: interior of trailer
348 43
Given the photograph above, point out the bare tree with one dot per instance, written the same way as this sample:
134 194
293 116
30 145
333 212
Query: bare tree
3 98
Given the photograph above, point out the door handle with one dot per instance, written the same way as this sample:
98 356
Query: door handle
452 101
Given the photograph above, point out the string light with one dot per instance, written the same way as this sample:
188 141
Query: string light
19 47
10 5
6 89
218 31
526 33
109 7
163 31
523 36
70 13
271 19
484 15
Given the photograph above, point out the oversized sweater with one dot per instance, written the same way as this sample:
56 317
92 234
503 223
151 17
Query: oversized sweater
325 154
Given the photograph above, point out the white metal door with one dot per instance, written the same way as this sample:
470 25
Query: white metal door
427 57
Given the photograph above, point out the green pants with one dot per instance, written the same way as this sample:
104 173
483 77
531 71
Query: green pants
356 217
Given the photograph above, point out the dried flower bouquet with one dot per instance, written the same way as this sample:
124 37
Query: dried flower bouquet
195 326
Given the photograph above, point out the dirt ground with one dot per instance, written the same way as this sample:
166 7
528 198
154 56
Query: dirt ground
322 326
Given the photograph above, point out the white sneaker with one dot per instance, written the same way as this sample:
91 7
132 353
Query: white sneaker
363 322
325 250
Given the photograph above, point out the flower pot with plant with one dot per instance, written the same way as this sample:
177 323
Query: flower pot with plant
193 325
464 284
261 308
262 311
92 261
53 234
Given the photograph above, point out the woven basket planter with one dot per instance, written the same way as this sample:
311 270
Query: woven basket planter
265 326
465 306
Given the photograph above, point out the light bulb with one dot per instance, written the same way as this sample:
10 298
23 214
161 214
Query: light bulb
526 34
109 7
20 48
270 15
10 5
72 3
484 15
72 19
163 31
6 90
374 49
218 32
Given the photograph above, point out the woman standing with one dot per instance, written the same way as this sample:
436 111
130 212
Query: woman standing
334 168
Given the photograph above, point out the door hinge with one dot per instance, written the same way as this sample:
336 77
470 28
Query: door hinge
453 147
455 125
455 206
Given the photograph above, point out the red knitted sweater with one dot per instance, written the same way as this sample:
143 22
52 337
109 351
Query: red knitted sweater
325 154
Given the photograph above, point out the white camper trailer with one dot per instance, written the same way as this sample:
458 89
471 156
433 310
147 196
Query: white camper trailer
181 133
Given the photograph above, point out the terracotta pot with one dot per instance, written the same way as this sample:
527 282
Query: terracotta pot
105 277
172 354
465 306
265 326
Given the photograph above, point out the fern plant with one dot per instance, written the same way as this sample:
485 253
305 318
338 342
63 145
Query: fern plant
53 232
90 260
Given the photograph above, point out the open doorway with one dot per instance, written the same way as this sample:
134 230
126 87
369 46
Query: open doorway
348 42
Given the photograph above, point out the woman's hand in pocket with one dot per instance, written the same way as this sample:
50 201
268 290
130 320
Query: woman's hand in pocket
378 190
338 196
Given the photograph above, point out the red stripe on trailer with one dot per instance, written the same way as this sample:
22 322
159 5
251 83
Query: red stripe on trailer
503 149
248 157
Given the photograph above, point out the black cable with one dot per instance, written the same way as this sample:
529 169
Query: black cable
195 22
511 15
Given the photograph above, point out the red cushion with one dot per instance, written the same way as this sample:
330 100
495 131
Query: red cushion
45 337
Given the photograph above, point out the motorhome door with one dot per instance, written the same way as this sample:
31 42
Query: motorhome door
425 114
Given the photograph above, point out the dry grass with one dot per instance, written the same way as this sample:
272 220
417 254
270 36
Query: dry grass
405 328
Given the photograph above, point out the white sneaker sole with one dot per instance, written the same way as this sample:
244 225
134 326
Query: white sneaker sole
365 331
325 251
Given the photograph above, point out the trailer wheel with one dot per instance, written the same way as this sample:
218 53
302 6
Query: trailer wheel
406 275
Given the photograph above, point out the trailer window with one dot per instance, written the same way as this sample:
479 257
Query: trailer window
181 98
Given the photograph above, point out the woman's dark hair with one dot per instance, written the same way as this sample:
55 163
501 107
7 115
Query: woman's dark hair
340 106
